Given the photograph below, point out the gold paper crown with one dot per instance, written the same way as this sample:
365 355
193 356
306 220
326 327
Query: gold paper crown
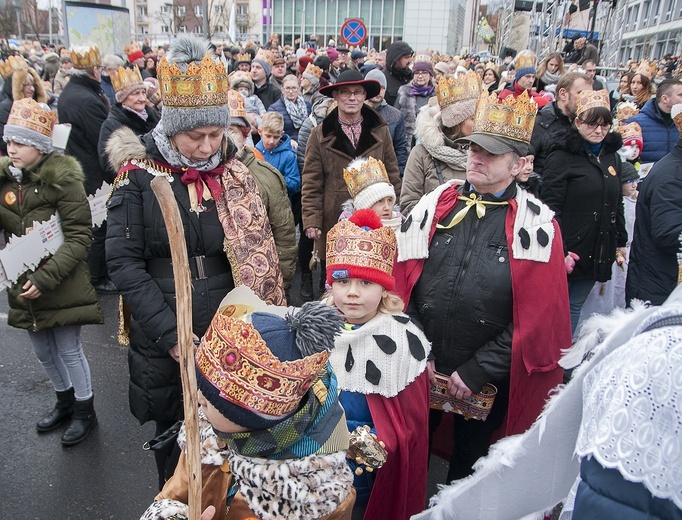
363 173
236 360
13 63
243 56
423 56
511 118
626 110
266 56
125 78
133 47
455 90
524 60
313 70
350 245
88 59
28 113
647 68
203 85
492 66
630 131
592 99
236 103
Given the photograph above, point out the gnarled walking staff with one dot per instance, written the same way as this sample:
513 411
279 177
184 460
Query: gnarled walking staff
183 297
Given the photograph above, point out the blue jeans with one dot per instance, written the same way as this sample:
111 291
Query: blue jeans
578 291
60 353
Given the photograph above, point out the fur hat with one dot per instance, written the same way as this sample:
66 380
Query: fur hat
256 370
361 247
18 79
30 123
239 78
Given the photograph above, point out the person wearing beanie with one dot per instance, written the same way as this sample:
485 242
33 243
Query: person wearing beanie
310 83
413 96
633 143
325 64
255 110
261 67
53 301
397 71
394 119
303 63
64 74
524 79
136 58
438 158
272 446
380 361
189 146
131 110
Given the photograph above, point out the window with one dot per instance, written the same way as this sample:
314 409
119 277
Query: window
218 9
628 19
166 8
198 10
182 29
242 9
645 13
165 29
142 29
142 10
197 29
655 11
220 29
242 28
181 9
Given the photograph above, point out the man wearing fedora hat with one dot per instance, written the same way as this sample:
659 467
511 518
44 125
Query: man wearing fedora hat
351 130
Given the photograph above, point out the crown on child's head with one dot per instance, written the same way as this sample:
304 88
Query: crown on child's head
630 132
85 57
28 113
626 110
511 118
362 173
236 103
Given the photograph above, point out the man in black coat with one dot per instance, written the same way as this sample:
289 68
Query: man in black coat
84 106
397 69
654 265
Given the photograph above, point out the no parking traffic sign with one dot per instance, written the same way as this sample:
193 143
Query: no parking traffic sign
353 32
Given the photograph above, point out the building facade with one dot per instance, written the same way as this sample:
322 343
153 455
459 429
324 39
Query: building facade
652 29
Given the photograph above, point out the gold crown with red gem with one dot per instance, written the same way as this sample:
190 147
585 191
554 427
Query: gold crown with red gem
29 114
125 78
203 85
511 118
235 101
85 57
11 64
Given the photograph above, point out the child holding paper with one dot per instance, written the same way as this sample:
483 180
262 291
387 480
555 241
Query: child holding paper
53 300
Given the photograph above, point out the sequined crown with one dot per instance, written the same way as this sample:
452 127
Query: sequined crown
266 56
363 173
511 118
235 101
125 78
28 113
647 68
313 70
630 131
592 99
626 110
11 64
524 60
203 85
243 56
236 360
85 58
455 90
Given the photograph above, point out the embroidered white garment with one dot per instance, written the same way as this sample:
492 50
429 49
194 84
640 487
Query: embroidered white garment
382 357
533 229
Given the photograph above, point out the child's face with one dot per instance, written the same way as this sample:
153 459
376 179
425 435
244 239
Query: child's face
629 152
630 189
22 155
270 139
218 420
357 299
384 207
244 91
527 170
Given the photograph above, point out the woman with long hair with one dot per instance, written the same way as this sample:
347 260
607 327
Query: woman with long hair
491 79
623 92
549 71
641 89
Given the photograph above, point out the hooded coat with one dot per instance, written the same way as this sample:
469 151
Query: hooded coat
396 77
584 191
13 90
53 184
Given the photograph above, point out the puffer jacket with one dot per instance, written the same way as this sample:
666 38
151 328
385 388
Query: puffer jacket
550 123
138 259
660 133
396 77
396 127
283 158
585 193
289 128
53 184
463 298
13 90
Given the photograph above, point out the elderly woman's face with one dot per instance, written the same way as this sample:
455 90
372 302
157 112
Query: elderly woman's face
199 144
137 99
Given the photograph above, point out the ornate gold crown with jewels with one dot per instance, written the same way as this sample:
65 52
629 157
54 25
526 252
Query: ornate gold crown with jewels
203 85
266 56
243 56
647 68
592 99
313 70
11 64
28 113
626 110
630 131
363 173
512 118
465 88
423 56
236 103
85 57
125 78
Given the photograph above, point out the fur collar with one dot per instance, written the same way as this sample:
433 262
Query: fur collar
124 146
371 121
573 143
53 170
428 130
18 78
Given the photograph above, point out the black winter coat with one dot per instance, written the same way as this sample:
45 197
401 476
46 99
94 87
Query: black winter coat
653 269
585 192
550 124
80 105
396 77
268 93
463 298
118 117
137 242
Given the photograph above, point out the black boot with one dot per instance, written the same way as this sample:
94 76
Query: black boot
82 422
60 413
307 287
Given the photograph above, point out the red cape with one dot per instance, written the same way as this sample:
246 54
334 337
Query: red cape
542 324
399 490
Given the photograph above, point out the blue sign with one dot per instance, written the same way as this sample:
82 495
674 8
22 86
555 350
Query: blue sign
353 32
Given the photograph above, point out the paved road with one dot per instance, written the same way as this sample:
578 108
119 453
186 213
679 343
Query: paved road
108 476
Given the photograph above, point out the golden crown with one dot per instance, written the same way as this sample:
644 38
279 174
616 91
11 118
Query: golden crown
630 131
647 68
363 173
203 85
524 60
313 70
11 64
125 78
266 56
28 113
511 118
235 101
243 56
592 99
86 58
236 360
423 56
626 110
350 245
455 90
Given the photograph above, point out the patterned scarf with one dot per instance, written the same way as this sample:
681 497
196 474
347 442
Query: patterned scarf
424 91
297 111
249 243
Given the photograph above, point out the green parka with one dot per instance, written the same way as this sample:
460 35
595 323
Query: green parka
54 183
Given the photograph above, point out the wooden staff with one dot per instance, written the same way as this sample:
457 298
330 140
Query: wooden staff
183 298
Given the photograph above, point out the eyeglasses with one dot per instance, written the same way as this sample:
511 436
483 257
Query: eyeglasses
421 73
593 126
290 89
348 93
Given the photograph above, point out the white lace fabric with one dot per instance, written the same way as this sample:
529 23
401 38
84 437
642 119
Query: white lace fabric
632 412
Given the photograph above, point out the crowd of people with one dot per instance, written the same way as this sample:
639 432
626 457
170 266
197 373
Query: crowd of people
468 218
